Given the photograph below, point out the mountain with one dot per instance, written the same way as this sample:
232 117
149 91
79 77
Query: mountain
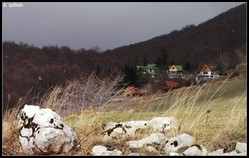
219 41
209 42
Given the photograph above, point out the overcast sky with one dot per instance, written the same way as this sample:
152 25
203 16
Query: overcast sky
107 25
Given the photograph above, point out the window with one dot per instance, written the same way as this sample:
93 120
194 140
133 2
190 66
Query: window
205 72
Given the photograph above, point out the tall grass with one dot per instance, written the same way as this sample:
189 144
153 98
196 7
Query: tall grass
88 92
10 134
216 121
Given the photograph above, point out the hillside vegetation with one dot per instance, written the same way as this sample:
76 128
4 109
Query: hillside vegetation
214 114
35 71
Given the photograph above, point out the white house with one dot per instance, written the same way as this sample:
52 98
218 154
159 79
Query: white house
206 73
149 69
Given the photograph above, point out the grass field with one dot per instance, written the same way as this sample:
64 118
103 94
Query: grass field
215 114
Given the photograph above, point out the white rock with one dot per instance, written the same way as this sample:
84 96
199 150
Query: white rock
163 124
134 144
232 153
31 110
100 150
110 125
132 126
174 154
123 129
196 151
175 143
150 149
159 124
153 138
133 154
241 147
217 152
242 153
42 131
26 132
47 117
115 152
49 137
137 124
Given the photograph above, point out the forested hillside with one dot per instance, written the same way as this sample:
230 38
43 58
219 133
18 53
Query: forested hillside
29 68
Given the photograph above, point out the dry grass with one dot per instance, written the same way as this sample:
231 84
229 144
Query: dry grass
216 121
86 93
10 134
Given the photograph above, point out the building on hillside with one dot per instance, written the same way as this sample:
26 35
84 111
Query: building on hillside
148 70
175 71
206 73
170 85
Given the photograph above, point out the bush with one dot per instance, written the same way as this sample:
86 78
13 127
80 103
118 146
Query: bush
87 92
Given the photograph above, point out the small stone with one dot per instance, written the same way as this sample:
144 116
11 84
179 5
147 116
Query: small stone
241 147
175 143
217 152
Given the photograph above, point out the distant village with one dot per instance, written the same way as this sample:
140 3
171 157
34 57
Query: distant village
174 76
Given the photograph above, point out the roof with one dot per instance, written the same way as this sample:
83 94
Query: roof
178 67
172 84
205 68
148 66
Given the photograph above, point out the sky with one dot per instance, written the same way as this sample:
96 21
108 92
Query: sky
106 25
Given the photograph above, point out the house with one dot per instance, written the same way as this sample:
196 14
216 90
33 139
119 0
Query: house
149 70
175 71
206 73
170 85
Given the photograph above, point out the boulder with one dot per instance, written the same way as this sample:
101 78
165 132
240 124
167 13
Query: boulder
134 154
196 150
122 129
151 149
162 124
42 131
100 150
217 152
158 138
232 153
180 141
174 154
241 147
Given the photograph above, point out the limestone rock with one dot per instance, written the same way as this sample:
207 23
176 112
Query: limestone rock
42 131
232 153
196 150
134 154
217 152
163 124
175 143
100 150
174 154
241 147
123 129
152 138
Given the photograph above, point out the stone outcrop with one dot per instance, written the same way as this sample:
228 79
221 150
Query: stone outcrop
124 129
180 141
163 124
182 144
42 131
100 150
151 139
